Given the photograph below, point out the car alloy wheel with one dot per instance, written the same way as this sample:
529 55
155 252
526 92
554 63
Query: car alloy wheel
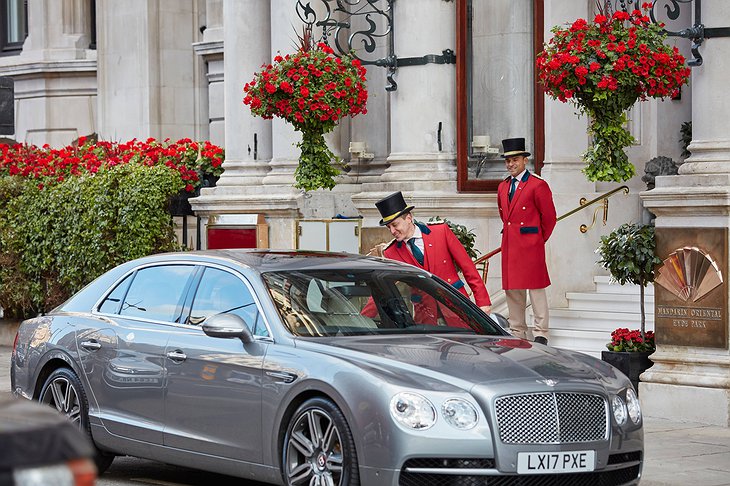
60 393
64 392
318 447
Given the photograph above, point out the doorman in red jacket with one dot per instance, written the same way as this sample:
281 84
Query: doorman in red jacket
432 246
528 213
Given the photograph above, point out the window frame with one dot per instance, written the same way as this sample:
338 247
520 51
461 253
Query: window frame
463 183
195 288
8 48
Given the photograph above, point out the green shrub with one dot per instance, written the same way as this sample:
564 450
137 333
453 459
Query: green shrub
55 240
629 254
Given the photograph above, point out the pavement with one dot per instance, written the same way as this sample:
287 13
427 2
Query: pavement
676 453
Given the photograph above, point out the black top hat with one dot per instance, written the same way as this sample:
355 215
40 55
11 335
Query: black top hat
513 147
391 207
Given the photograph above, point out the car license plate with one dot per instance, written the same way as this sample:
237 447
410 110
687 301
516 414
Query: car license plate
555 462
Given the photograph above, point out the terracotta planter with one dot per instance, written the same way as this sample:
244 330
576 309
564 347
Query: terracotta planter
630 364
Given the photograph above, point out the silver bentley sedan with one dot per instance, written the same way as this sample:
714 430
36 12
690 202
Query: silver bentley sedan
305 368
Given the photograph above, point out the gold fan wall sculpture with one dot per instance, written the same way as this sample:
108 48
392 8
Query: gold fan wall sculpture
689 273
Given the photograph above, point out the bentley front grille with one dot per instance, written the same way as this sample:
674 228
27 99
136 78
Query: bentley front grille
552 418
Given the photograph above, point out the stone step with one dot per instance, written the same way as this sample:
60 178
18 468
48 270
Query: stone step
585 320
604 286
593 301
584 341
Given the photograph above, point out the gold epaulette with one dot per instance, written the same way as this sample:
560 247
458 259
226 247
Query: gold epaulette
535 175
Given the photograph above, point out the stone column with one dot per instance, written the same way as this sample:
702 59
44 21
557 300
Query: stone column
285 26
688 382
249 26
146 87
425 97
247 47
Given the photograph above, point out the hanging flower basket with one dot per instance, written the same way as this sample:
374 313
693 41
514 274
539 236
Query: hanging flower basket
313 90
603 68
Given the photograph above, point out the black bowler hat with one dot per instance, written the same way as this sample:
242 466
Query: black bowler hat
513 147
391 207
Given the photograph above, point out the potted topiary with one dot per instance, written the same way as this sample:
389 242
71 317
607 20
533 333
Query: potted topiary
628 253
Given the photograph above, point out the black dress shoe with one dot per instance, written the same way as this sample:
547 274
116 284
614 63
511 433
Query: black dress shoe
541 340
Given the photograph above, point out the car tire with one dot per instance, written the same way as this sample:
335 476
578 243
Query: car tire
64 392
318 442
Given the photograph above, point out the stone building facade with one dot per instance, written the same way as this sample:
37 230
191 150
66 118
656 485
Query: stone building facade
176 68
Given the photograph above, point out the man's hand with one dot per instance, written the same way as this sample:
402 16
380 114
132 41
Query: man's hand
486 308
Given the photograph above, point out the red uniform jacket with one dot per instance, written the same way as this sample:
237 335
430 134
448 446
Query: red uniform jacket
442 250
529 220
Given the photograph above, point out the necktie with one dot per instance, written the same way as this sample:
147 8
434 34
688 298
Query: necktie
512 188
416 251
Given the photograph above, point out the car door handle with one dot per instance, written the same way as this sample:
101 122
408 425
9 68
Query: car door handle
177 356
91 345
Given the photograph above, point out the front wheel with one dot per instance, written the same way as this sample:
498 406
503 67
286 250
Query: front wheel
318 447
64 392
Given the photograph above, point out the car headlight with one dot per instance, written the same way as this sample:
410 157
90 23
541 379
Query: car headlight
633 406
413 411
459 413
619 410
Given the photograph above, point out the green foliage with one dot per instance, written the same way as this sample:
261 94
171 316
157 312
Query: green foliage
55 240
606 158
685 133
629 254
465 236
315 170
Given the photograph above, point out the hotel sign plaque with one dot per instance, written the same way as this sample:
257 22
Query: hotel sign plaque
690 287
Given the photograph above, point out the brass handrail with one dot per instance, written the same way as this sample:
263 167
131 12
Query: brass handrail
583 204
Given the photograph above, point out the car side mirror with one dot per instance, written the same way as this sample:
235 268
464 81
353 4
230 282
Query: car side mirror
501 321
228 326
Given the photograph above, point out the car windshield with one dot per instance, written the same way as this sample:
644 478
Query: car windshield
346 303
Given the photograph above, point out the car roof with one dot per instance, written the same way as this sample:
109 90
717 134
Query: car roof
280 260
248 260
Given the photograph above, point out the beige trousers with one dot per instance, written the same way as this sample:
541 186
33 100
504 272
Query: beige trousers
517 303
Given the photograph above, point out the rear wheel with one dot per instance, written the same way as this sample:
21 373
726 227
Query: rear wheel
319 448
64 392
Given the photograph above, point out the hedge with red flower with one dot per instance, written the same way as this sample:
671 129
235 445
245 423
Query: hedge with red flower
624 340
603 67
313 90
69 214
49 165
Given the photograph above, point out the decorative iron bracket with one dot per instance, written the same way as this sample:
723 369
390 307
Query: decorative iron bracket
336 21
697 33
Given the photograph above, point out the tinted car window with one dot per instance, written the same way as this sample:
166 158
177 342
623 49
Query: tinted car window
114 299
156 293
342 302
221 292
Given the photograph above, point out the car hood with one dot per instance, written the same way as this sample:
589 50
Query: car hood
467 360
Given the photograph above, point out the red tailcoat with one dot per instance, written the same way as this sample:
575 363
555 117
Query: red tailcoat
441 250
529 220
